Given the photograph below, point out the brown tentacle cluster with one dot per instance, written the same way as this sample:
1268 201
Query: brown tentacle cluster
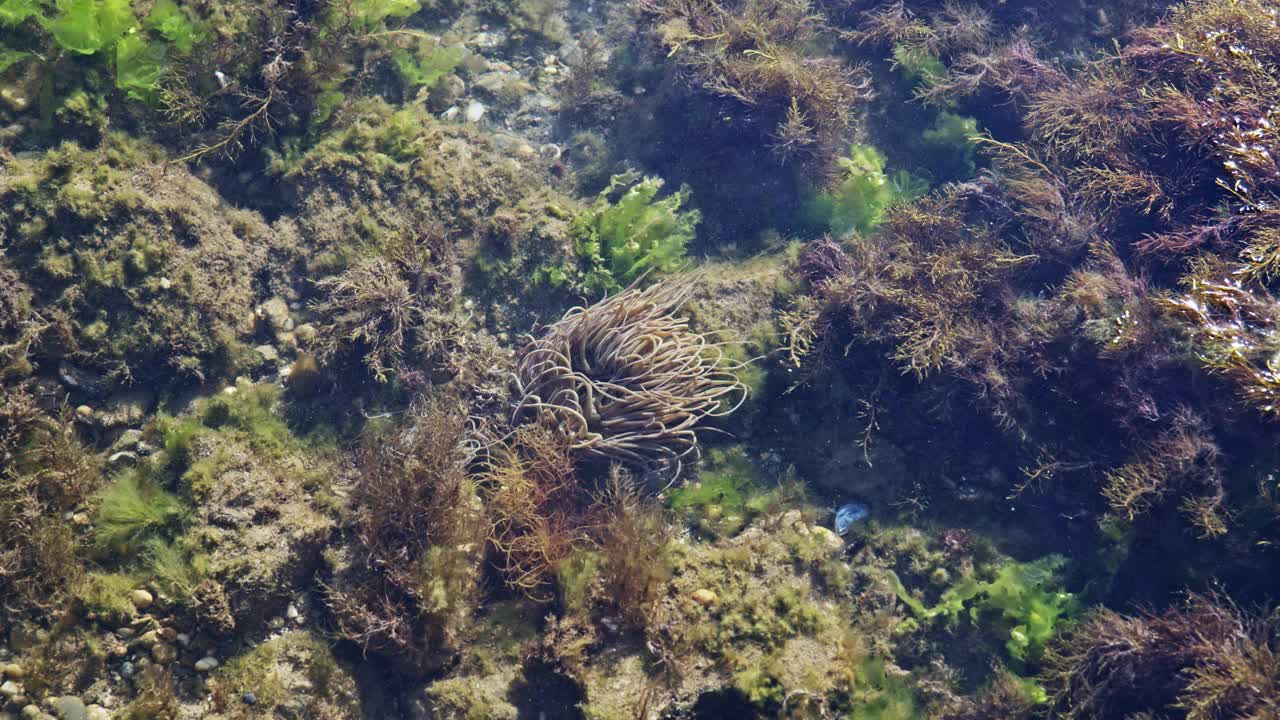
627 379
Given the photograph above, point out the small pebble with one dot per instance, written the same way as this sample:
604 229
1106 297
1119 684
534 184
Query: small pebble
163 653
127 669
206 664
70 707
183 639
13 670
124 457
141 599
704 597
31 711
475 111
10 689
291 612
828 538
97 712
84 411
249 698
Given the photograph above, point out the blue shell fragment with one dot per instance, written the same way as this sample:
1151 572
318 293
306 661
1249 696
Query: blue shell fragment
850 514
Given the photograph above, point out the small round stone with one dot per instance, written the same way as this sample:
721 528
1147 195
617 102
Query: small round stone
205 664
704 597
70 707
84 411
141 599
249 698
127 669
13 670
163 653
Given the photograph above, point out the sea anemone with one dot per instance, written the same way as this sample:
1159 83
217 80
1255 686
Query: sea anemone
627 379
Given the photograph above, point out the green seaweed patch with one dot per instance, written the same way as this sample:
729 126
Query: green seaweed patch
576 578
858 202
294 674
424 67
949 146
105 595
637 235
728 493
880 695
132 509
1023 602
918 64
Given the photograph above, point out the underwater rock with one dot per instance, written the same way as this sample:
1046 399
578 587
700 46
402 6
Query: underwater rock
506 88
850 514
268 353
304 376
704 597
293 675
78 378
70 708
141 599
101 229
275 314
127 408
205 664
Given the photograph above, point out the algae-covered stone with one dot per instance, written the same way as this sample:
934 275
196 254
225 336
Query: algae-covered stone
258 495
139 269
400 182
752 612
141 599
294 675
126 408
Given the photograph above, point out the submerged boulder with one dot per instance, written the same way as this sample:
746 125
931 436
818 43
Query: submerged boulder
137 269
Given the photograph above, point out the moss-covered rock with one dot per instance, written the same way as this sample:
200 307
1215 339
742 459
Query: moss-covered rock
386 181
294 675
138 270
759 616
231 517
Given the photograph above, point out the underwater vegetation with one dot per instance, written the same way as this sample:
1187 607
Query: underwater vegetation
1203 657
636 236
674 359
406 584
857 203
765 57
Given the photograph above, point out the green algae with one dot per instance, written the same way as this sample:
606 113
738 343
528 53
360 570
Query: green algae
131 509
728 493
1023 596
636 235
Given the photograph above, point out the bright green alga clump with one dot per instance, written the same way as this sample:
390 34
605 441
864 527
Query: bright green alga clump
638 235
1029 604
131 509
366 16
425 67
859 201
728 492
918 64
137 52
87 26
